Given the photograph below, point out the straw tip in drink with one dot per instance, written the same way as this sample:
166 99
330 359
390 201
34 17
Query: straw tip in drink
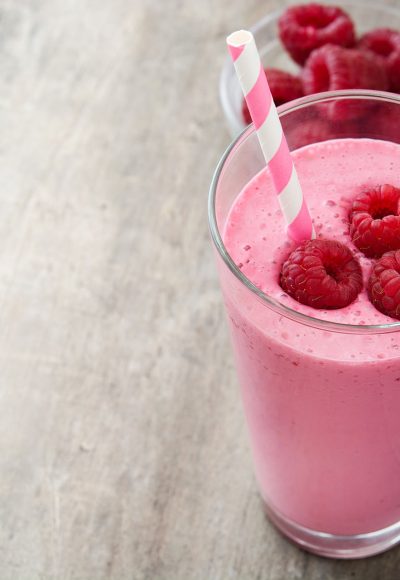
239 38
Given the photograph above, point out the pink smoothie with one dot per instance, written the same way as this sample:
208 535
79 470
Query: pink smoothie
323 407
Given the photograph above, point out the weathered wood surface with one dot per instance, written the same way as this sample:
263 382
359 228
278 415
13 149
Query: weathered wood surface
123 451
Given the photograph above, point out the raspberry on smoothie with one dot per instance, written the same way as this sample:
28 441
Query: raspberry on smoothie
375 220
322 274
384 284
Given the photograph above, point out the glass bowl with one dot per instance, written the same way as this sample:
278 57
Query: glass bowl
365 15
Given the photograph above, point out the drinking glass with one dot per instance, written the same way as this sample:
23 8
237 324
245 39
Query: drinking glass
323 417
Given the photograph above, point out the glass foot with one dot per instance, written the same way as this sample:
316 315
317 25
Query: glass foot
332 546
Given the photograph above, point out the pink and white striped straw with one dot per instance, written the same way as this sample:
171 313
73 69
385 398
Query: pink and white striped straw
253 81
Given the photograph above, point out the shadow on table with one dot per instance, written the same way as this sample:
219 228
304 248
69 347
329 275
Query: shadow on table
384 566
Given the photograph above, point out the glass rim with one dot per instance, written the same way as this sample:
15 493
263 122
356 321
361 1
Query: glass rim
270 302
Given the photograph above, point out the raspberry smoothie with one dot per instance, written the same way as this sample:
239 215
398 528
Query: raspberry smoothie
322 405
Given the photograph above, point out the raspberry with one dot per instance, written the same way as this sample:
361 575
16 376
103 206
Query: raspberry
381 41
384 284
385 123
314 130
322 274
385 43
333 68
284 87
302 29
348 128
393 71
375 220
309 131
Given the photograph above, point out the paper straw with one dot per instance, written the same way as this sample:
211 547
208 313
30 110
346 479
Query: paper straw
253 81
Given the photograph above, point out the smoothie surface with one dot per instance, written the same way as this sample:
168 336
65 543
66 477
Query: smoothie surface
332 174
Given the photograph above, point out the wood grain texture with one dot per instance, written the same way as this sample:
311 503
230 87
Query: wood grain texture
123 450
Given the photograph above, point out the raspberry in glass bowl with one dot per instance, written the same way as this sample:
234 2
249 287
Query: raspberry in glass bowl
366 16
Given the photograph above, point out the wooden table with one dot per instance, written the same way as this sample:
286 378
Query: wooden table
123 448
